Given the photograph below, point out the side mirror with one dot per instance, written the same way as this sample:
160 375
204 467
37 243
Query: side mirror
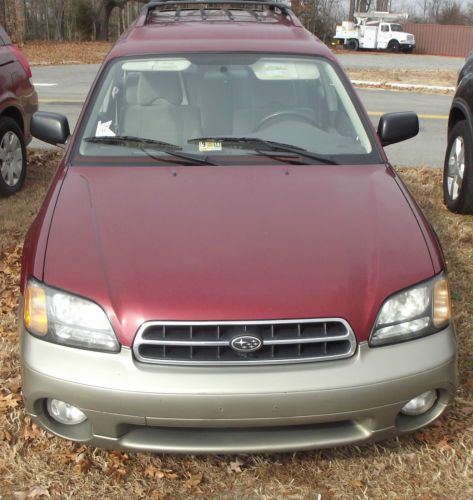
397 127
52 128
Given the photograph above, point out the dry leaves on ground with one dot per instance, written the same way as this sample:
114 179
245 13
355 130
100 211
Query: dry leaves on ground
53 53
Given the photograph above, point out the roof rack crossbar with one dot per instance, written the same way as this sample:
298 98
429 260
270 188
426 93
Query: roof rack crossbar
245 4
255 15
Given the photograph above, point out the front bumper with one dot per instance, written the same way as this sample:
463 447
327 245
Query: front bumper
185 409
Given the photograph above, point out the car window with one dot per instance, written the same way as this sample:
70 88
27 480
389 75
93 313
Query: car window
298 101
4 38
396 27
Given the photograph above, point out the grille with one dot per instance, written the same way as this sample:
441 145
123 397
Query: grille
209 343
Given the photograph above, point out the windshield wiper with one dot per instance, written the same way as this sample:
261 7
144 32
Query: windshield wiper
130 140
143 143
262 145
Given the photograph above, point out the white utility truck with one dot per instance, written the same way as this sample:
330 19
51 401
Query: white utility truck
375 30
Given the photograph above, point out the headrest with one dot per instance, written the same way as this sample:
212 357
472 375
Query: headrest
131 89
159 85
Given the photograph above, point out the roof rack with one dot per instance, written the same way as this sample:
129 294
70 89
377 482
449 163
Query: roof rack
223 5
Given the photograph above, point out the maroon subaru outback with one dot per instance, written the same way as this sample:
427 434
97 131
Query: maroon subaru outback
226 261
18 102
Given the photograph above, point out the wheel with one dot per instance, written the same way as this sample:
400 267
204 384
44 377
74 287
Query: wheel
458 170
353 44
12 157
394 46
281 115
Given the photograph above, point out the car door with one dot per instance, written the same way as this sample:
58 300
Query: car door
384 35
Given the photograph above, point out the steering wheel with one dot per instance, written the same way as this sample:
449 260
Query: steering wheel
282 115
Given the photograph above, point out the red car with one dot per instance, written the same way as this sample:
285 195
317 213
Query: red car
18 102
226 261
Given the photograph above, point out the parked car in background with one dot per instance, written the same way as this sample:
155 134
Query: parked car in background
18 102
458 165
226 261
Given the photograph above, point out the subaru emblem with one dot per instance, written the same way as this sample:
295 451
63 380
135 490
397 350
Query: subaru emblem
246 343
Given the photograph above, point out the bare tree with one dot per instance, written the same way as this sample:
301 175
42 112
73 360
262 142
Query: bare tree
318 16
452 13
13 13
383 5
351 10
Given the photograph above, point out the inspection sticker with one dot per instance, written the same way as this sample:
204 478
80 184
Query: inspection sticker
205 146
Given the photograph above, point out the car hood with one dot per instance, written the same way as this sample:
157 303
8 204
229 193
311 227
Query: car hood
234 242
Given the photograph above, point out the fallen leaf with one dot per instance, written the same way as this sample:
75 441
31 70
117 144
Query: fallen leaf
31 431
37 492
357 483
378 470
8 402
444 445
236 466
467 410
152 471
194 480
155 472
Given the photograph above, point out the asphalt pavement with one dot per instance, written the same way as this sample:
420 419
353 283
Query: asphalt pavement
62 89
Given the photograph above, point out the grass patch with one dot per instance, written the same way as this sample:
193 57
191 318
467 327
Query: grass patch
432 463
429 77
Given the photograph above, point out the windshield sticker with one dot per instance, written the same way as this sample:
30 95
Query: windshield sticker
104 130
210 146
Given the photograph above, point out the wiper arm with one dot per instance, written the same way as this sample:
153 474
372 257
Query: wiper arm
143 143
261 144
132 141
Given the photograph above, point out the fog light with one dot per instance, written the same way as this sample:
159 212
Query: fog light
65 413
420 404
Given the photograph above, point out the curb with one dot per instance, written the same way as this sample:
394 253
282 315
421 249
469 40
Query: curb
403 86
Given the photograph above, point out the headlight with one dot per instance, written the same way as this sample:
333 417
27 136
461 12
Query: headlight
66 319
416 312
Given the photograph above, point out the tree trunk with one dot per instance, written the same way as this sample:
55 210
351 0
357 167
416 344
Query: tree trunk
363 5
15 23
382 5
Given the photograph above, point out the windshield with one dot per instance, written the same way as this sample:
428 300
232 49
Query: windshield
201 104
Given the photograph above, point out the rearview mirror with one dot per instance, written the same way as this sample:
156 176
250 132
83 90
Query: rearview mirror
52 128
397 127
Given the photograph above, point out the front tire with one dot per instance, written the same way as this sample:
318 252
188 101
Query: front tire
394 46
458 170
12 157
